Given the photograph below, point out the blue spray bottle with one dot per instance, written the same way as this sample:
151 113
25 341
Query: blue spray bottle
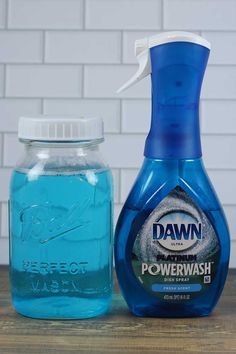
172 242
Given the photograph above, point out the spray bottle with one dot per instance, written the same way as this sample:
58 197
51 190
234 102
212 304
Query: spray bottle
172 242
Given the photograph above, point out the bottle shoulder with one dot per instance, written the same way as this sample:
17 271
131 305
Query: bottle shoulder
174 190
155 181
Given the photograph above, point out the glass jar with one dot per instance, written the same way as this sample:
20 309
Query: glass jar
61 220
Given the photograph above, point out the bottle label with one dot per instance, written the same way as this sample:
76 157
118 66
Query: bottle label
176 251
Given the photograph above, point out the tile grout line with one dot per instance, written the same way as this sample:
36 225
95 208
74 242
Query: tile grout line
138 134
104 98
6 14
162 15
42 106
103 64
82 81
4 80
43 46
122 47
84 11
119 186
121 116
122 61
153 29
1 223
2 149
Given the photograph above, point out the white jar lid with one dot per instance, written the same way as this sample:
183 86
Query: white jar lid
60 128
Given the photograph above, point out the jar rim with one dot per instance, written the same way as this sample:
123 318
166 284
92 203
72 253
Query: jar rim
65 143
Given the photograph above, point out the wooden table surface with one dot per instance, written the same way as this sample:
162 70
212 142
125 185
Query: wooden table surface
119 332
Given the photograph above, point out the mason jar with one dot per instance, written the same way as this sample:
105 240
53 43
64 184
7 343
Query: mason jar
61 230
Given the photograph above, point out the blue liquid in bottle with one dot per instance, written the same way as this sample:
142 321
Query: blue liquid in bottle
155 181
172 242
61 243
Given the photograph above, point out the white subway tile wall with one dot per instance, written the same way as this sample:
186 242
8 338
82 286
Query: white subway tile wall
83 47
12 108
220 82
109 110
123 14
200 14
45 14
104 80
222 43
14 50
43 80
70 57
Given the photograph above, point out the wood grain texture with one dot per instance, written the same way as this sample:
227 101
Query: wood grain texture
119 332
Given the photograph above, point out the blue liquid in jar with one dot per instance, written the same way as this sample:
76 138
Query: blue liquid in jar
61 244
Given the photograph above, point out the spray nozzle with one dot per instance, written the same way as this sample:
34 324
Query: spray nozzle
143 58
142 51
